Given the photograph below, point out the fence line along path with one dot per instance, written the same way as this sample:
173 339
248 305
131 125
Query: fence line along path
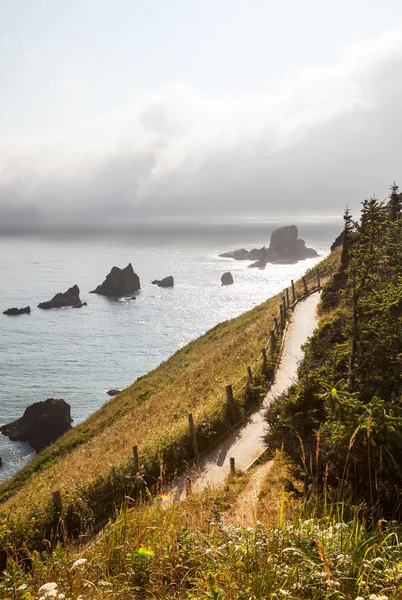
246 444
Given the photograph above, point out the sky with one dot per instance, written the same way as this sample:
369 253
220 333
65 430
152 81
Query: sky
119 111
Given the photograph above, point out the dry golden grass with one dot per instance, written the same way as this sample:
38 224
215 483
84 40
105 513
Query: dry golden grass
155 407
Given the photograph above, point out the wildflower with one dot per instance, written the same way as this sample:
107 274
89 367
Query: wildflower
47 587
375 597
79 562
48 590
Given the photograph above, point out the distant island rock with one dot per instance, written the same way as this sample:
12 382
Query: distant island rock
284 247
227 278
119 283
69 298
17 311
41 424
166 282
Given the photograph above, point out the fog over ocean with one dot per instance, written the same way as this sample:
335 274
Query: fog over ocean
79 354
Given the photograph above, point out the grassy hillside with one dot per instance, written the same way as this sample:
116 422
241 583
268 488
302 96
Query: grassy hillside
193 550
92 465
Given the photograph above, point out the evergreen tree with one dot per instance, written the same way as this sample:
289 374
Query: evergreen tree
395 203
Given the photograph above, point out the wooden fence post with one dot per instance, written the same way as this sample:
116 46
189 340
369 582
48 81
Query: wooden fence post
305 285
284 307
232 467
293 292
282 316
57 500
276 324
287 299
136 461
318 279
193 433
272 340
230 403
249 374
264 355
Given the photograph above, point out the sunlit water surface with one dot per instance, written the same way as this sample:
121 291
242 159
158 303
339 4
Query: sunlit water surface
78 354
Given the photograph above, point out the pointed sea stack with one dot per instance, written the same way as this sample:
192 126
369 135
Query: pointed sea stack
119 282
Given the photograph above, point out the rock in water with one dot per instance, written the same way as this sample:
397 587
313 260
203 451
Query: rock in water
113 392
119 282
284 247
69 298
17 311
285 244
227 278
166 282
41 424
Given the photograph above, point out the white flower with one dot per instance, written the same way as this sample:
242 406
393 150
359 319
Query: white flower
79 562
375 597
47 587
22 587
359 598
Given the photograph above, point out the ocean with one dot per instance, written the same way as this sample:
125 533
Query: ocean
78 354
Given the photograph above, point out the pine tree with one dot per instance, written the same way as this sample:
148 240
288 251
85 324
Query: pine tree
395 203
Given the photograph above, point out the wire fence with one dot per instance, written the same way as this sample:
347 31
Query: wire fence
113 486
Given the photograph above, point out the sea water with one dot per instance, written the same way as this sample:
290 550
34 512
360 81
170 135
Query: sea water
78 354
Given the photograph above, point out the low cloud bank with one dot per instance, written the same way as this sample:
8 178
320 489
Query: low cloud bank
329 137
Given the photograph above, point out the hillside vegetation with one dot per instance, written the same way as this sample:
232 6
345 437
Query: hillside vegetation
342 423
92 465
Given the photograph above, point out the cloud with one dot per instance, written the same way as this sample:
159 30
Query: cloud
329 136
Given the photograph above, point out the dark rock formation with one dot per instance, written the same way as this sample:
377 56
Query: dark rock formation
166 282
113 392
284 247
1 462
242 254
69 298
17 311
285 244
227 278
259 264
337 242
119 282
41 424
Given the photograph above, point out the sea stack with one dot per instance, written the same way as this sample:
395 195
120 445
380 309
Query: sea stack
119 282
41 424
17 311
69 298
165 282
227 278
284 247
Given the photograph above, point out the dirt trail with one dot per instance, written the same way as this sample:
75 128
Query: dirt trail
246 443
243 511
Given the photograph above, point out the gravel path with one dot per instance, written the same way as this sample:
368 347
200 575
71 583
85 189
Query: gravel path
246 444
